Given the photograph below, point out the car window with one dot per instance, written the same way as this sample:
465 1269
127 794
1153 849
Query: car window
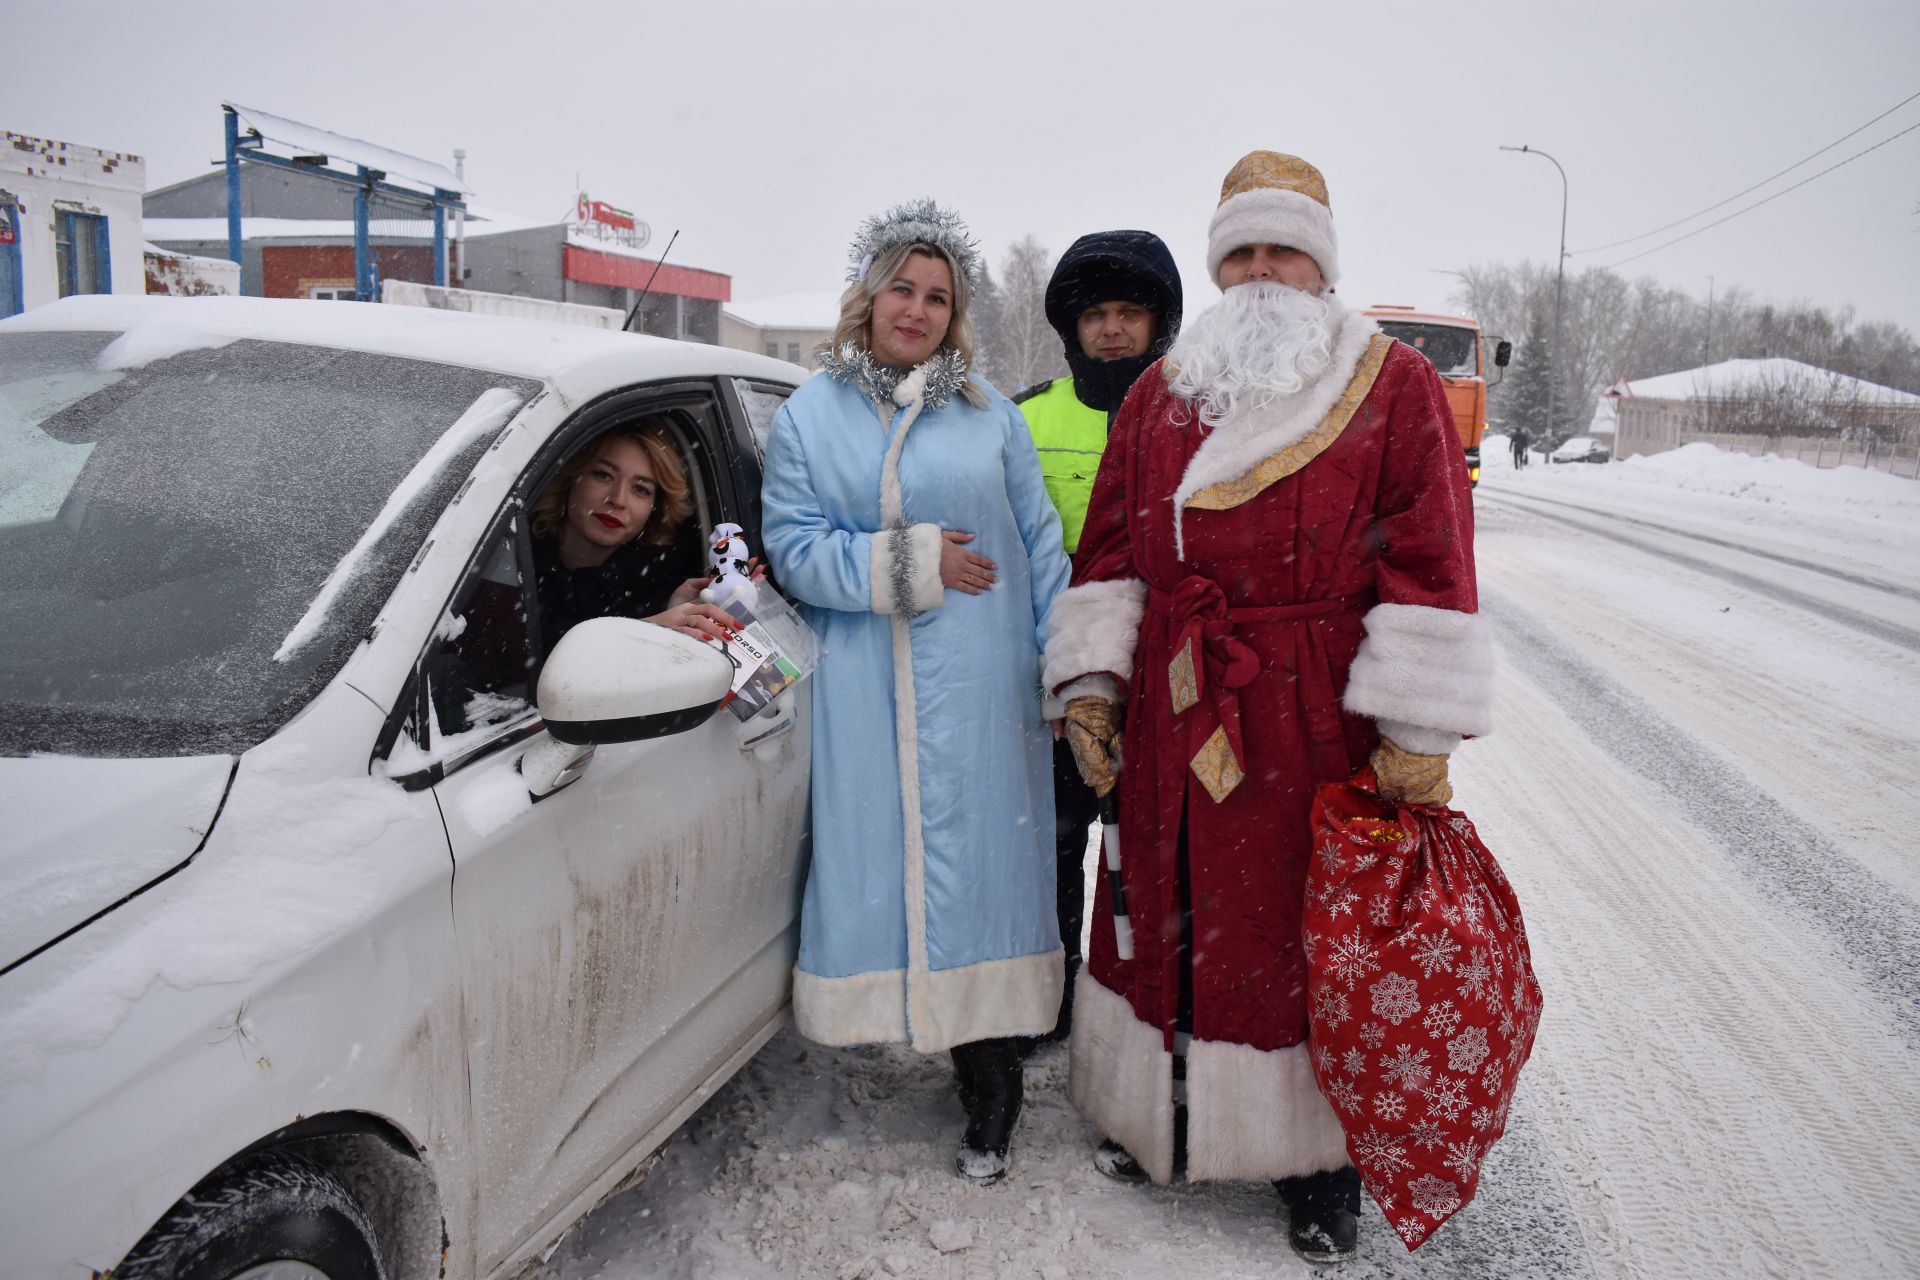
762 400
190 547
1452 350
477 683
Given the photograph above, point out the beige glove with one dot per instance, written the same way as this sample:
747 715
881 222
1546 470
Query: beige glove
1093 731
1410 779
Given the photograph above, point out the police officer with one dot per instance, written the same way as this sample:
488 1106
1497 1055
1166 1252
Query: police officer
1115 300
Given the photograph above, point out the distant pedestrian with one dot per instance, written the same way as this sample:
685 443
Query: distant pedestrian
1520 441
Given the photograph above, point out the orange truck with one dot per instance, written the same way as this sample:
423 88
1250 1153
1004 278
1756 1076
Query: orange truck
1454 345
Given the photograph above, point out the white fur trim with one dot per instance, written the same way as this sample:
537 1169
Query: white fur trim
1425 666
1094 628
906 556
1236 448
906 735
1013 997
1257 1114
1122 1076
914 385
1274 215
1417 739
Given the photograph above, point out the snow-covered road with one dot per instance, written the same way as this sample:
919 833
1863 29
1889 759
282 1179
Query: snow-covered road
1705 787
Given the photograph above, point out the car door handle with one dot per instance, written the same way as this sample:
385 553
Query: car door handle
748 744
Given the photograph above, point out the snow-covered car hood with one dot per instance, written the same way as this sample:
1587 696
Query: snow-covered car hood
81 834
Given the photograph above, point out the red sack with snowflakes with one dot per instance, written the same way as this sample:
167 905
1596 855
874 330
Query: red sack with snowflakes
1423 999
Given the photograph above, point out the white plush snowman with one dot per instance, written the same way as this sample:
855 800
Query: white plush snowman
727 554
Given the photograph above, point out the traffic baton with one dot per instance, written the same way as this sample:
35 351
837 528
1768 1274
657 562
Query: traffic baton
1116 888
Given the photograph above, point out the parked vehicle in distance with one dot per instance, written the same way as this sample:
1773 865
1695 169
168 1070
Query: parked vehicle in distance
338 930
1454 346
1581 449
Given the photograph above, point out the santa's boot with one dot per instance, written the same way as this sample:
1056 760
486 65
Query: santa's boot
1324 1213
997 1085
1118 1163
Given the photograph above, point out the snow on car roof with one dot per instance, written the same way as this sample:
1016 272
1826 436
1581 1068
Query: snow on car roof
529 348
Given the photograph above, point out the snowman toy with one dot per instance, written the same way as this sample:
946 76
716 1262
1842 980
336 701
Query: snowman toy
727 554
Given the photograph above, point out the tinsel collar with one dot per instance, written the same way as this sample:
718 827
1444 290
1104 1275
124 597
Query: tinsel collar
935 379
915 222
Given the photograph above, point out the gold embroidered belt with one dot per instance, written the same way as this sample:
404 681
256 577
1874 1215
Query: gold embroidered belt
1210 667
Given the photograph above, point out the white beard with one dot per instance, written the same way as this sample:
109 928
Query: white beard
1260 343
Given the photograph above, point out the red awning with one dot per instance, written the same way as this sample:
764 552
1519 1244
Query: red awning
590 266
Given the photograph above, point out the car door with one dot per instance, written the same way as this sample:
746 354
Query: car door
623 937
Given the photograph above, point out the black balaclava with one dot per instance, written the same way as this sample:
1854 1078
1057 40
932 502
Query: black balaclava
1110 266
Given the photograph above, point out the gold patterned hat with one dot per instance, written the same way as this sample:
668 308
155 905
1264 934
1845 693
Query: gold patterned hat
1271 198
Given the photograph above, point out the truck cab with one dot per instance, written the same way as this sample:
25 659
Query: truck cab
1456 349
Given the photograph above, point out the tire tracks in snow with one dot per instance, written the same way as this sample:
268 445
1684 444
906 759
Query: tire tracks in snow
1875 929
1891 632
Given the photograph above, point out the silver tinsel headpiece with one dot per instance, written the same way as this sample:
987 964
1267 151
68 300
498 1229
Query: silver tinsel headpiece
915 221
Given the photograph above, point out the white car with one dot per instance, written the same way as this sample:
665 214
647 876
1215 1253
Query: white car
321 946
1581 449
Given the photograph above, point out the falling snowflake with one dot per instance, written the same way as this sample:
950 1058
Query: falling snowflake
1382 1152
1435 1197
1389 1106
1427 1134
1407 1068
1355 1063
1464 1159
1466 1051
1434 952
1396 997
1447 1098
1330 1007
1441 1020
1476 979
1371 1034
1351 959
1343 1095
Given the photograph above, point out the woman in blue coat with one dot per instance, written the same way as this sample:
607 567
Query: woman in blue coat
904 508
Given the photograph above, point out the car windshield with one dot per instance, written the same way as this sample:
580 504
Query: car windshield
193 541
1454 351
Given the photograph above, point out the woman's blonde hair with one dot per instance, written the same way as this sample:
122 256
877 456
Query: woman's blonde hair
672 498
856 308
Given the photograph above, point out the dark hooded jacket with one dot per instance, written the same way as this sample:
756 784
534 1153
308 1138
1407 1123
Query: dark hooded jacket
1068 416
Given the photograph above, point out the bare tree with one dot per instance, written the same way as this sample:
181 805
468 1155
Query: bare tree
1018 347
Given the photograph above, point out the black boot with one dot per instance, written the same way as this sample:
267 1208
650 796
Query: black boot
963 1068
1118 1163
997 1086
1324 1213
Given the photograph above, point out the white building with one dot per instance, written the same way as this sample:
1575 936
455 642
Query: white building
69 221
790 326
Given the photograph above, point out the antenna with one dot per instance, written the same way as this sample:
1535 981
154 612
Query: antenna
628 324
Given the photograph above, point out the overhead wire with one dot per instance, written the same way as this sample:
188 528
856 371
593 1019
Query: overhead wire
1755 187
1757 203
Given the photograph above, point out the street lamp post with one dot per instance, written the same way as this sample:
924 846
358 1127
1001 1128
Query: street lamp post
1559 281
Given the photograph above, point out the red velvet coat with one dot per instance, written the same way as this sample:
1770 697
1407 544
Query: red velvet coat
1263 599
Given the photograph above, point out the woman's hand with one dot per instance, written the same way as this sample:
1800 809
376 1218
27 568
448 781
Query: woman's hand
701 621
961 569
686 593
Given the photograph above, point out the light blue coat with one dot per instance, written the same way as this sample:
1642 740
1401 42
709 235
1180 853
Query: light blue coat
929 914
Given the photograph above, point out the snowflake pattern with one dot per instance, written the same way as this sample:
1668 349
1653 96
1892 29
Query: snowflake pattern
1435 1197
1396 997
1406 1068
1466 1051
1422 1001
1441 1020
1434 953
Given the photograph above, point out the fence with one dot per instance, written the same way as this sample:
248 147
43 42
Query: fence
1899 460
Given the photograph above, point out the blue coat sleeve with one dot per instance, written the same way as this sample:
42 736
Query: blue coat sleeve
1038 521
822 565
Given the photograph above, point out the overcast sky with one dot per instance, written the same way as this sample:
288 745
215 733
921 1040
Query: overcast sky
764 132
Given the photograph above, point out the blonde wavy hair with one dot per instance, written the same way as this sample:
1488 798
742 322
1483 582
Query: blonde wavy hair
673 495
856 309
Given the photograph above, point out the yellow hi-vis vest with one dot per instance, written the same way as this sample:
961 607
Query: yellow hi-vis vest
1070 438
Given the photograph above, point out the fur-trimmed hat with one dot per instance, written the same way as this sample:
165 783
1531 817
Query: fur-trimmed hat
1270 198
914 221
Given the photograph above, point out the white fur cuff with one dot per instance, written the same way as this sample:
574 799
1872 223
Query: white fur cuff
906 569
1094 628
1271 215
1425 666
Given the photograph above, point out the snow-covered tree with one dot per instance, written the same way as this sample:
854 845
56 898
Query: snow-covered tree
1018 346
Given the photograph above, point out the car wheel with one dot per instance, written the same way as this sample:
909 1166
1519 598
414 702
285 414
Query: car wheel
277 1217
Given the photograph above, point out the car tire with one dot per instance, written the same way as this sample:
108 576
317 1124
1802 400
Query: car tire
277 1208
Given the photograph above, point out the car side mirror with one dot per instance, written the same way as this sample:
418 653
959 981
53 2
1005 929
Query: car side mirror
622 680
1502 353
